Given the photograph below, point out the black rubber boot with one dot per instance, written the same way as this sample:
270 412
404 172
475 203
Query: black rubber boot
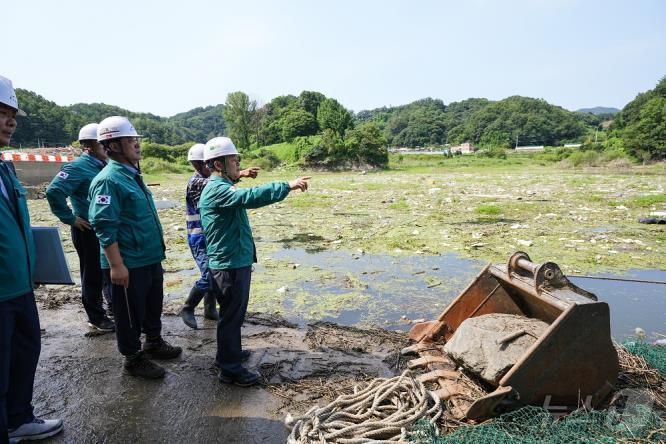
187 312
210 307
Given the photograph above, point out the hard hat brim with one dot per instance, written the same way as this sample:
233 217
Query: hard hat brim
20 112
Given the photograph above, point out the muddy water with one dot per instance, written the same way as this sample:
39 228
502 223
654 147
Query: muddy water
419 287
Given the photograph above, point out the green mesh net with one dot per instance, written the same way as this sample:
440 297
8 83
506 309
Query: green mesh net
536 425
634 423
655 355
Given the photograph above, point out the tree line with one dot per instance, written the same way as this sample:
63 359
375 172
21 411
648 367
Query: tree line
640 128
327 133
49 124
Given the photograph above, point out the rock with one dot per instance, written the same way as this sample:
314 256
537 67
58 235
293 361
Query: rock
476 343
282 290
640 333
415 232
525 243
434 190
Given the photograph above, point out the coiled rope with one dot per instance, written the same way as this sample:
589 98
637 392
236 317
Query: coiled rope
379 413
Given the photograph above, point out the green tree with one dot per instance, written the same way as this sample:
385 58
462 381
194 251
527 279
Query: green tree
310 101
641 125
648 134
239 117
332 115
367 143
297 122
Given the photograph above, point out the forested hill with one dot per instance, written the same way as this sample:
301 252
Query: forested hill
426 122
523 119
53 125
599 110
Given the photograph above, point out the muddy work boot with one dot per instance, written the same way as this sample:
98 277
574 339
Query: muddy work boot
139 365
187 312
243 378
210 307
158 348
105 325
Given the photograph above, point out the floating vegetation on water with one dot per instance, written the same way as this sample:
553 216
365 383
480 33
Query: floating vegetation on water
350 247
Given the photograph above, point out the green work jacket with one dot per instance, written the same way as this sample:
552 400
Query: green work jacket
122 210
73 181
229 241
17 248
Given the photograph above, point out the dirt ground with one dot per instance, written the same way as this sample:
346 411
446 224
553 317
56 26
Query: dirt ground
80 378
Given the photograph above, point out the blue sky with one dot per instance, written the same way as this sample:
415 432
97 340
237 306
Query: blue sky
169 56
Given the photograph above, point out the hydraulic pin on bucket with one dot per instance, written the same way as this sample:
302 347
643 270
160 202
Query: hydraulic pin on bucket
572 363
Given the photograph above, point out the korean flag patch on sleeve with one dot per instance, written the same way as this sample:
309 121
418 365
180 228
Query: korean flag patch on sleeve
63 175
102 199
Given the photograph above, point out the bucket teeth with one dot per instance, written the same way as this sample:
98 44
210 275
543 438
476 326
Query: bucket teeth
420 347
425 360
436 374
448 391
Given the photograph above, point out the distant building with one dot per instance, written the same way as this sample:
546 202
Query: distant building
463 148
530 148
572 145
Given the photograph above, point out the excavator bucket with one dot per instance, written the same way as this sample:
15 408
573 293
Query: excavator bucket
571 364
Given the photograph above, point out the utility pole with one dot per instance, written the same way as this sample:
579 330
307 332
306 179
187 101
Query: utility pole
596 132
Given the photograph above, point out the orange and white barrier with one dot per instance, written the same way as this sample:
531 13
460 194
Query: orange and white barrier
22 157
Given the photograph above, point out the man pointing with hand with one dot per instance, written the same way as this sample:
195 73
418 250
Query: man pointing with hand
231 249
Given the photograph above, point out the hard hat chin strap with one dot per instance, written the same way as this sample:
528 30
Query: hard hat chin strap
225 173
118 153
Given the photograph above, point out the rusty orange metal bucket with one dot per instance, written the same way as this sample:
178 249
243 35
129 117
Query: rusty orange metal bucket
572 363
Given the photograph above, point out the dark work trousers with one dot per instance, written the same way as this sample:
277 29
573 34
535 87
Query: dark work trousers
232 290
93 284
139 309
20 344
201 258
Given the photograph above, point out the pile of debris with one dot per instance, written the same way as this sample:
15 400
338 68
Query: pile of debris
519 336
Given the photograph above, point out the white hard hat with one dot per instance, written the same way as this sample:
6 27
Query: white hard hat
88 132
115 127
218 147
196 152
8 96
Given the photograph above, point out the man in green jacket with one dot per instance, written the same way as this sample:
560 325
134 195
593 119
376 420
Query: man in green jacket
73 182
20 340
123 215
231 250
